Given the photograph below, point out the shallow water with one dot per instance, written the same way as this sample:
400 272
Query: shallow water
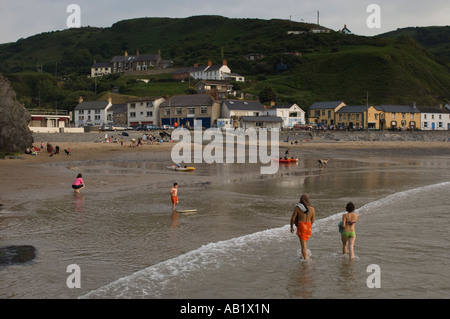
238 244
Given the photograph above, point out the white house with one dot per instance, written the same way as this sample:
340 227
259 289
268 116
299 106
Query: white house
434 118
217 72
236 109
144 111
99 69
93 113
290 113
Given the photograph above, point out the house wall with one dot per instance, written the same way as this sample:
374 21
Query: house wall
435 121
144 112
401 120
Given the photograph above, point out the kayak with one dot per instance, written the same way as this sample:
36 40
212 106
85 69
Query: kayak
284 160
182 169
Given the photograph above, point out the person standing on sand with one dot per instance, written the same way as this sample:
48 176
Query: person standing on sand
348 234
78 184
303 217
174 195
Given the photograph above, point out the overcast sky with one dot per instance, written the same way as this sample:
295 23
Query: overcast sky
24 18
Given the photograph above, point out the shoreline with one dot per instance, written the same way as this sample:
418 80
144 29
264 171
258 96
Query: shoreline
41 177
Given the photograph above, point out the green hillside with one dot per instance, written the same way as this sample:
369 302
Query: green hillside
333 66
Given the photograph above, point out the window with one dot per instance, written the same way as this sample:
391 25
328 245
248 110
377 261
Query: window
393 115
441 125
167 111
149 104
340 117
412 116
132 114
425 116
425 124
357 117
178 111
376 116
403 115
204 110
440 116
97 118
81 112
97 111
329 114
132 105
150 114
323 113
191 111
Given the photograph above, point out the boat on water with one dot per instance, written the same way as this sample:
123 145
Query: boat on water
180 168
286 160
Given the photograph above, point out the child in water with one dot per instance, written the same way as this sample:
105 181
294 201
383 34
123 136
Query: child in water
78 184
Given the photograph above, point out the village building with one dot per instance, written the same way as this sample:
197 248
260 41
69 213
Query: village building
323 113
236 109
434 118
144 111
93 113
404 117
100 69
291 114
49 121
261 122
189 111
139 62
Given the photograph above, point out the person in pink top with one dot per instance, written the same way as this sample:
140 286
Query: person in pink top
78 184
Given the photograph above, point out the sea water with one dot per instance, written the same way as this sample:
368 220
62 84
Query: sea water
238 244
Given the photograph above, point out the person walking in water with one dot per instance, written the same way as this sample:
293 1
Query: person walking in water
348 234
303 217
174 195
78 184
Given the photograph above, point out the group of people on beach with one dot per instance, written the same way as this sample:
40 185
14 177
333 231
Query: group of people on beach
304 216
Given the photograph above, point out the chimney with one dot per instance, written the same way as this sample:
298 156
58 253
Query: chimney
126 53
109 99
195 65
225 62
414 104
209 63
137 52
80 100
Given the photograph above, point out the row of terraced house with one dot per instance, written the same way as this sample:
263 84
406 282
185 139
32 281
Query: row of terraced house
380 117
206 111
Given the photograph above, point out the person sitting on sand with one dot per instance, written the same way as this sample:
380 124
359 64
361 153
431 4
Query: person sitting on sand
67 151
78 184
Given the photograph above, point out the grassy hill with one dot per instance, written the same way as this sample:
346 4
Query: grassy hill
333 66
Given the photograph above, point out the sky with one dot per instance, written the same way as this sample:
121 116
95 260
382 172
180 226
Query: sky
24 18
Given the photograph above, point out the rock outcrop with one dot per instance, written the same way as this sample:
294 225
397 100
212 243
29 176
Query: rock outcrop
15 135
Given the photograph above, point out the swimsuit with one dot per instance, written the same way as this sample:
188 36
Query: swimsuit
348 234
304 230
174 199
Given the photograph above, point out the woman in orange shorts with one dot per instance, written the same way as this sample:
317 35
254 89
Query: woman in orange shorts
303 217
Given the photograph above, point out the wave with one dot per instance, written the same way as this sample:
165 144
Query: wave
152 281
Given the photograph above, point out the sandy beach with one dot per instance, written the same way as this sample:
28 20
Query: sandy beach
27 178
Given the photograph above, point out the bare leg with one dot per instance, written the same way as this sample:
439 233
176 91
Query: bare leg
304 249
344 245
351 241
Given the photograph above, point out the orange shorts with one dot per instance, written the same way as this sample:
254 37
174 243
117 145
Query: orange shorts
174 199
304 230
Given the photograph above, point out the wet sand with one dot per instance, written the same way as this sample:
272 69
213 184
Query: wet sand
26 178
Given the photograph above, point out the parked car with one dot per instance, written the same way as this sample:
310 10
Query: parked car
152 127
